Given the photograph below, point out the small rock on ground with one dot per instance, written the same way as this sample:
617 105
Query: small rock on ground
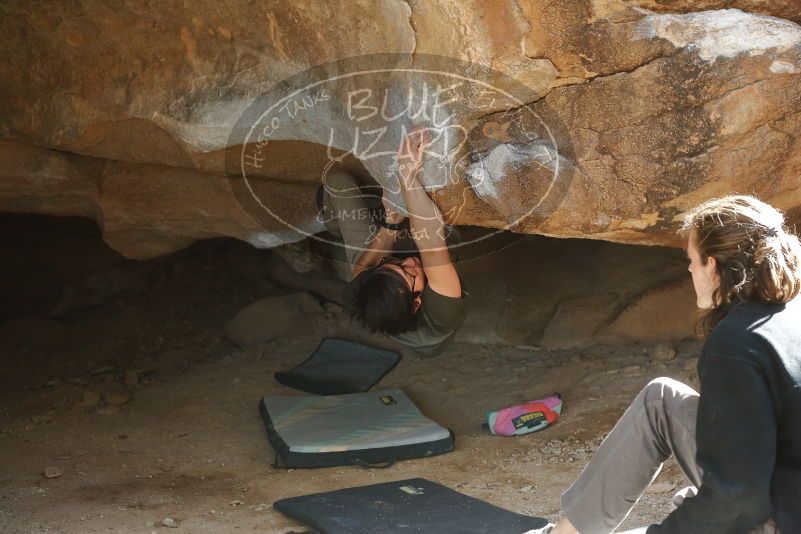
661 487
52 472
664 352
168 522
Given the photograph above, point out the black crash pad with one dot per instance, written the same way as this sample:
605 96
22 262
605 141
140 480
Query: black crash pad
407 506
340 366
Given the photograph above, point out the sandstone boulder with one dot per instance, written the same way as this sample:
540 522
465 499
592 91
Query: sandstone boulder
622 114
659 314
576 321
272 317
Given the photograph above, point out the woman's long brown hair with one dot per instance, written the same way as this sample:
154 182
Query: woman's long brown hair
757 257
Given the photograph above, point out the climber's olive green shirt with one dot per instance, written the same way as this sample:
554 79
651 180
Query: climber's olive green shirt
440 317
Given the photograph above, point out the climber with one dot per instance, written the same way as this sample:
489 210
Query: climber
739 441
418 300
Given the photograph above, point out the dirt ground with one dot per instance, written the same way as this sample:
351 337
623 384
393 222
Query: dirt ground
193 447
145 412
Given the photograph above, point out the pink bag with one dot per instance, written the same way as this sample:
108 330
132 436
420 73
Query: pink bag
524 418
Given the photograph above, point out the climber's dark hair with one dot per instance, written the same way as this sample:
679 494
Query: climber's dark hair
383 301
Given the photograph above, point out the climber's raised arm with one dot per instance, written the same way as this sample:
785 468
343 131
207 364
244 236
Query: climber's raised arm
425 218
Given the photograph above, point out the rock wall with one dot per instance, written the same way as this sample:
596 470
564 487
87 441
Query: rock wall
124 112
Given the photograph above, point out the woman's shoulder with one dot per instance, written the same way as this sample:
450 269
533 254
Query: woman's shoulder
750 314
741 329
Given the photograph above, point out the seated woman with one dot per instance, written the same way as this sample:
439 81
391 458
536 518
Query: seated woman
739 441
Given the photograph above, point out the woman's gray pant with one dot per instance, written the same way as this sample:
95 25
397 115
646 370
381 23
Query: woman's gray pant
660 422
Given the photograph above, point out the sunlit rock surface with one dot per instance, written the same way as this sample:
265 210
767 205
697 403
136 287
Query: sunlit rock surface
129 114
